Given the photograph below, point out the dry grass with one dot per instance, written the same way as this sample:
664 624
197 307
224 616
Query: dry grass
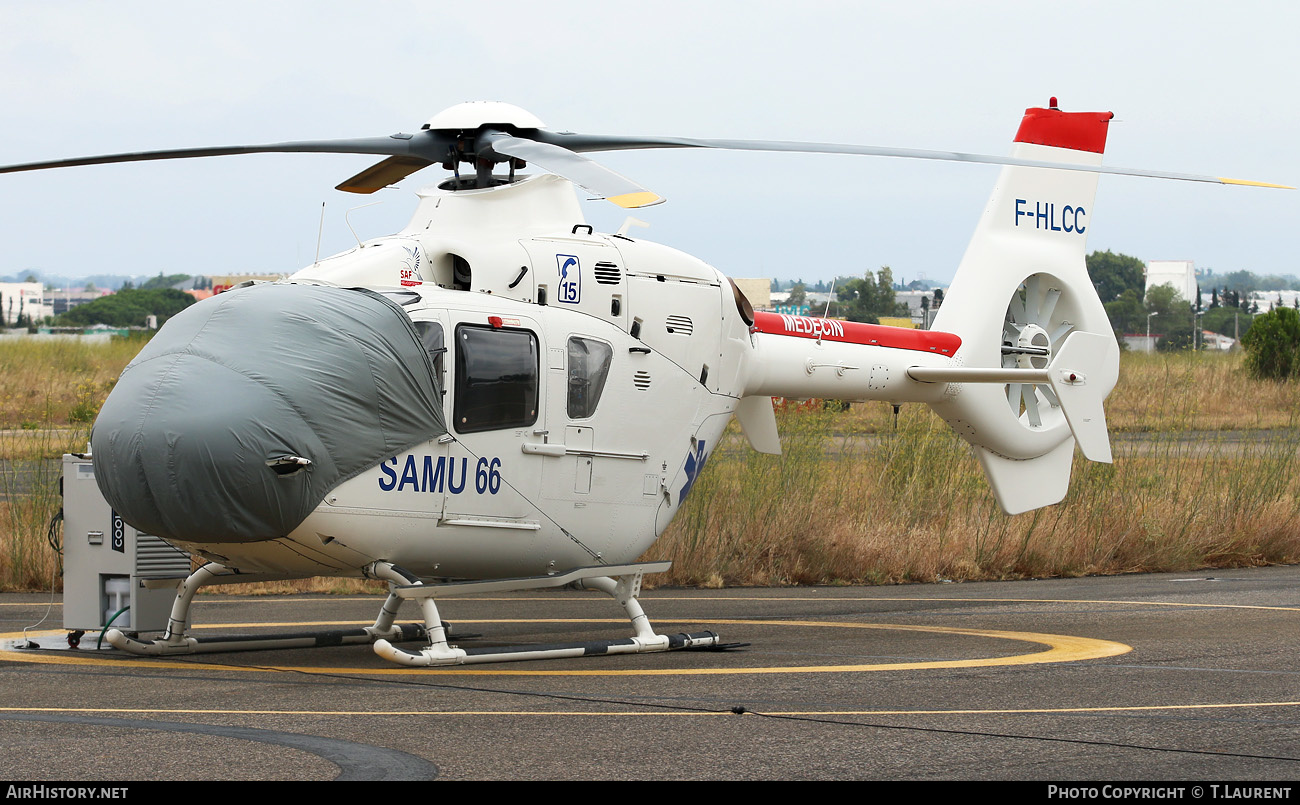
1189 391
1160 392
58 382
51 392
318 584
915 507
891 506
29 501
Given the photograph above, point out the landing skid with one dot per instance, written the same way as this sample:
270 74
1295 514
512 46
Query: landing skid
176 640
620 582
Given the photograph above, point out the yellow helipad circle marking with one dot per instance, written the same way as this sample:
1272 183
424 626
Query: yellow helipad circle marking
659 713
1061 648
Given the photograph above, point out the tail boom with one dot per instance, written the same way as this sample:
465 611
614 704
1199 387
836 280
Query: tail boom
852 332
800 357
1022 354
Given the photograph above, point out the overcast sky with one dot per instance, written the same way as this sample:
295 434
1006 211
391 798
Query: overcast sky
1196 87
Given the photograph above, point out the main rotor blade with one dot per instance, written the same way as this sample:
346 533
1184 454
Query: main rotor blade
588 142
426 145
590 176
559 152
382 174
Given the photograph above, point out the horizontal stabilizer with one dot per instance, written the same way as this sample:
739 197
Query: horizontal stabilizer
1077 376
1080 375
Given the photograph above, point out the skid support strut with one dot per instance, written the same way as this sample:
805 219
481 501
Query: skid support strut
620 582
176 639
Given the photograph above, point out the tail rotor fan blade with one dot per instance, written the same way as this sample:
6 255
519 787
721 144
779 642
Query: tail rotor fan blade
1034 300
1061 331
1016 311
1050 299
1030 398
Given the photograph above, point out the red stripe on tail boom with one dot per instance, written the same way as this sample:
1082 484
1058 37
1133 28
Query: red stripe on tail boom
852 332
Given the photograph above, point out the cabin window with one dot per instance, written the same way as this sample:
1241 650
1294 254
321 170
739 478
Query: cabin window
588 368
496 378
431 337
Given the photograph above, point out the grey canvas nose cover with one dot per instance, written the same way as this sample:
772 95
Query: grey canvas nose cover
201 440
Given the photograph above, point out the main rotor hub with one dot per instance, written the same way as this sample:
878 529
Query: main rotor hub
476 114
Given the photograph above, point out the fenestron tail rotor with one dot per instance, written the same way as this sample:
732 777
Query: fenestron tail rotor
1032 332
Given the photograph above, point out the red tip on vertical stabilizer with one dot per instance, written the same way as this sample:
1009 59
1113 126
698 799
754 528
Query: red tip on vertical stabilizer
1080 131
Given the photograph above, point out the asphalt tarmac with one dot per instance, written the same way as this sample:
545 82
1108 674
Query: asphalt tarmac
1160 677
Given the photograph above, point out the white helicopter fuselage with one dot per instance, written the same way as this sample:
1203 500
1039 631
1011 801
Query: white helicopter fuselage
585 379
592 461
499 398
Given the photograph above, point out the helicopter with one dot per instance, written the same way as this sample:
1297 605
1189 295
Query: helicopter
498 397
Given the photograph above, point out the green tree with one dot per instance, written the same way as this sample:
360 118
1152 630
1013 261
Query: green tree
1273 345
129 308
163 281
869 297
798 295
1173 319
1243 282
1273 282
1127 314
1113 274
1230 321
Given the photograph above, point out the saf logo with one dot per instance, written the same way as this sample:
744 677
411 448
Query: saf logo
570 278
694 464
410 271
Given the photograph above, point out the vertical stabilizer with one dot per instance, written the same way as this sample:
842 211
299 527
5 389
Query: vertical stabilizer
1021 290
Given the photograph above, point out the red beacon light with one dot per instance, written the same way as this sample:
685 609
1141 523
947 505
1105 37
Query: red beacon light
495 321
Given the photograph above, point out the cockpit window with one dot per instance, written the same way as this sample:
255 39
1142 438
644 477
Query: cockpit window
496 378
431 336
588 368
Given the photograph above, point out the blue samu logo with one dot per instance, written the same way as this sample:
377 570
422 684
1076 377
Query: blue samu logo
427 474
694 465
570 278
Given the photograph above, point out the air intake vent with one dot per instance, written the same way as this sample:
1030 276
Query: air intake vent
641 380
153 557
608 274
679 325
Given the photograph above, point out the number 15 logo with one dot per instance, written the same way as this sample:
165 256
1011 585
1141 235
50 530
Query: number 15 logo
570 278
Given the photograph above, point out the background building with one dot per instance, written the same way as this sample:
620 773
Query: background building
19 299
757 291
1179 274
